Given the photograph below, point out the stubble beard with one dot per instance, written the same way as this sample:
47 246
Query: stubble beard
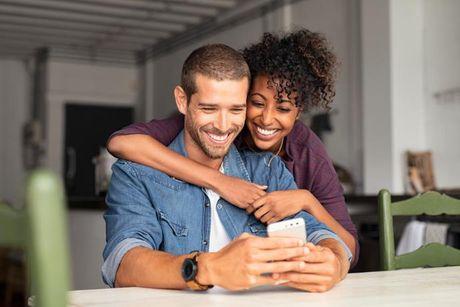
213 152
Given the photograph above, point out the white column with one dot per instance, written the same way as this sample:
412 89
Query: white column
392 89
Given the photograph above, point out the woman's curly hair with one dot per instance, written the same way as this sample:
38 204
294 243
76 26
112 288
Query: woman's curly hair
299 63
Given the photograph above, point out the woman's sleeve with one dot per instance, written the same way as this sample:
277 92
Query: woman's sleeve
163 130
326 187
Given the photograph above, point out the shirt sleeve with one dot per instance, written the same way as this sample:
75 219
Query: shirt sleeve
131 219
162 130
281 179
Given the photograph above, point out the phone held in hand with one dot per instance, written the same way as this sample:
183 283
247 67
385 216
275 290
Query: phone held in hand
293 228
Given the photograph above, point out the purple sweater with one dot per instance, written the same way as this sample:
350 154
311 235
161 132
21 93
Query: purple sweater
306 158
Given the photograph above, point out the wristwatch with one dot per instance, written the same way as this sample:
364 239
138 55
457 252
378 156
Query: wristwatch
190 271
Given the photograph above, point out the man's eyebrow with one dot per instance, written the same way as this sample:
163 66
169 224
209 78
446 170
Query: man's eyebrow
206 104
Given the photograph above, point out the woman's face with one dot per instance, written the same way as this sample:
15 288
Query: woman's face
268 120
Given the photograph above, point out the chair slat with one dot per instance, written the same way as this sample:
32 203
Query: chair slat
430 203
430 255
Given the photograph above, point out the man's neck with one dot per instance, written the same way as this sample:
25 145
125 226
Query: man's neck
196 153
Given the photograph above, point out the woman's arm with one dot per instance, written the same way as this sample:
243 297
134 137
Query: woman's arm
146 150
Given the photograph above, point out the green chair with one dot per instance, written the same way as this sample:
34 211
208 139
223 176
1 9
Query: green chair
40 229
430 255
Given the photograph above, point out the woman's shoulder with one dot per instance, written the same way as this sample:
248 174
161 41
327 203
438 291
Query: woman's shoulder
303 140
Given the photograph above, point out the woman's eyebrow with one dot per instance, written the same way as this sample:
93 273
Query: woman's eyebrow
258 94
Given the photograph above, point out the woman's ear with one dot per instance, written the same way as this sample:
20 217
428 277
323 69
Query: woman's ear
299 112
181 99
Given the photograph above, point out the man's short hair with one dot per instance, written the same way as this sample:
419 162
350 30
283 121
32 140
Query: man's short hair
215 61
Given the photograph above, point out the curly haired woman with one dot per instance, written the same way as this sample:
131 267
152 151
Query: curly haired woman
291 74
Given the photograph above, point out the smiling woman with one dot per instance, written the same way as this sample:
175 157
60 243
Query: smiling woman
291 74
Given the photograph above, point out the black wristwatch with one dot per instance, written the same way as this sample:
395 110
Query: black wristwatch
190 270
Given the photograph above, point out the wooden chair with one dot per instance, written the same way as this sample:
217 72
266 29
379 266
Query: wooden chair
40 229
430 255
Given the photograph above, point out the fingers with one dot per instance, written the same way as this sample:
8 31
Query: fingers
305 278
266 217
275 267
261 211
294 253
261 187
273 243
259 202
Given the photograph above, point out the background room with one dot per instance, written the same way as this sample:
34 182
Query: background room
73 72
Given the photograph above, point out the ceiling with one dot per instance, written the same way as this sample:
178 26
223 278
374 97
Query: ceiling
110 30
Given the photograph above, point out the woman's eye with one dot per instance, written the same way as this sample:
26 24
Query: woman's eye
257 104
284 110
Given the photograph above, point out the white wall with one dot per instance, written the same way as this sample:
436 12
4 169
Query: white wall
14 112
84 83
336 19
441 65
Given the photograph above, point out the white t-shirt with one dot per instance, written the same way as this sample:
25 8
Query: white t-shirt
218 236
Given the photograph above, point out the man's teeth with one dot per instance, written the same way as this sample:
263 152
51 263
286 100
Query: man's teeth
266 131
219 138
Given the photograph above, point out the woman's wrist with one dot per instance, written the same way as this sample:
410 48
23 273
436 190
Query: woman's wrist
213 179
310 202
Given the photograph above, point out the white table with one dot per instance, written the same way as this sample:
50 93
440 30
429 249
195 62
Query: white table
433 287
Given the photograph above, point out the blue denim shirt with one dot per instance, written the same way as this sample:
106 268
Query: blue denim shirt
149 208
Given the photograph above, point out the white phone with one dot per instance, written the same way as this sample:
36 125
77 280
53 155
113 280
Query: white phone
293 228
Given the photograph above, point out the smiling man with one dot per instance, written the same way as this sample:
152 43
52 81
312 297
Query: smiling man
165 233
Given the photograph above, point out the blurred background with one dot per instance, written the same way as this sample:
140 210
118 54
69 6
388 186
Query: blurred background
73 72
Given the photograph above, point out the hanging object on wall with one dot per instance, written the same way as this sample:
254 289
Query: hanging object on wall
420 172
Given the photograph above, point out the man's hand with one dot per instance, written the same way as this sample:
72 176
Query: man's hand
325 266
238 192
240 264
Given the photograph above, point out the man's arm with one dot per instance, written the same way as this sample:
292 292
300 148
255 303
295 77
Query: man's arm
237 266
134 235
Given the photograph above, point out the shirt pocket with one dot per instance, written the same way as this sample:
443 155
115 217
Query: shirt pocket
177 229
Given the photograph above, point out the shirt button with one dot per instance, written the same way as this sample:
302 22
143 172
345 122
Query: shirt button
219 206
205 242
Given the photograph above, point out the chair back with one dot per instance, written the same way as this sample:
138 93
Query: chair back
40 228
429 255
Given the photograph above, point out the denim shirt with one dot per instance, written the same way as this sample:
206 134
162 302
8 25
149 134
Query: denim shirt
148 208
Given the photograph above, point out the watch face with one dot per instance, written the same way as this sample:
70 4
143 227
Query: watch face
188 269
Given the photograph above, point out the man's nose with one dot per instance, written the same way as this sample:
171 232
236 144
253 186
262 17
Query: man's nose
222 122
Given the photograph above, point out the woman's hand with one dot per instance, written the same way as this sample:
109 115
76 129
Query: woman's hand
238 192
277 205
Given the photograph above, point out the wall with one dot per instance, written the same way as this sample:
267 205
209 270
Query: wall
14 99
85 83
441 65
337 20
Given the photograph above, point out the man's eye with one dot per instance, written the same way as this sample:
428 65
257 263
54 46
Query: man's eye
239 110
208 109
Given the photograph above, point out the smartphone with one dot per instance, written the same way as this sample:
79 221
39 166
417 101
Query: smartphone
293 228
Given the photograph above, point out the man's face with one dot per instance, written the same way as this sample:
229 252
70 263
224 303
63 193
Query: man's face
216 114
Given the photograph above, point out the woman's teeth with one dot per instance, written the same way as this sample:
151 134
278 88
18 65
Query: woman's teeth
266 132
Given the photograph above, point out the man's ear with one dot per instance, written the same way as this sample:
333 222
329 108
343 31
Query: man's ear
181 99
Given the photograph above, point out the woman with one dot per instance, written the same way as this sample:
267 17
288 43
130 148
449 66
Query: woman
290 74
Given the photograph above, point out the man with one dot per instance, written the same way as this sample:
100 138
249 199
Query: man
156 224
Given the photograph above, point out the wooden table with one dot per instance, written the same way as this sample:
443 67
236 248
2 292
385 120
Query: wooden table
432 287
